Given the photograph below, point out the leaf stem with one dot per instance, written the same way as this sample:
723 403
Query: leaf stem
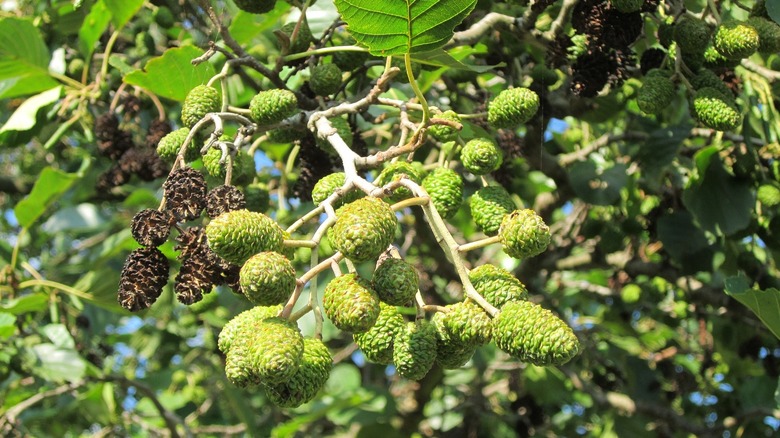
416 89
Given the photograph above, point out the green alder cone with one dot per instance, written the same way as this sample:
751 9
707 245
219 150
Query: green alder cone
302 40
655 95
244 322
708 78
691 34
328 184
443 132
768 34
344 131
716 110
736 40
712 59
275 350
627 6
396 281
310 377
350 303
481 156
497 285
169 146
272 106
257 197
285 135
445 187
532 334
243 166
349 60
524 234
377 343
451 351
237 235
769 195
393 172
267 278
544 75
489 205
414 350
363 229
200 101
255 6
512 108
466 322
325 79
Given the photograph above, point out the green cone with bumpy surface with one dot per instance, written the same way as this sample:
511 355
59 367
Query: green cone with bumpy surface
272 106
736 40
393 172
488 207
267 278
255 6
414 350
325 79
512 107
466 322
350 303
329 184
707 78
363 229
445 187
497 285
341 125
243 165
716 110
396 281
302 40
627 6
445 132
244 322
768 194
275 350
349 60
533 334
310 377
200 101
481 156
451 351
377 343
237 235
524 234
169 146
691 34
768 34
655 95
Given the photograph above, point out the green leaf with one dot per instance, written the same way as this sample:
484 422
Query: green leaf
172 75
440 58
680 235
51 184
598 186
93 27
773 10
58 364
7 325
400 27
123 10
764 303
59 335
24 59
719 201
660 149
25 304
24 117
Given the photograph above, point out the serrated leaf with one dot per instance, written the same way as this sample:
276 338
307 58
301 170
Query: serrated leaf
399 27
764 303
172 75
24 117
24 59
51 184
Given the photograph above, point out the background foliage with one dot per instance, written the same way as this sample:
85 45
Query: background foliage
663 255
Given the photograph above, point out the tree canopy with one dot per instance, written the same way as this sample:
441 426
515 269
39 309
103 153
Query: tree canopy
422 218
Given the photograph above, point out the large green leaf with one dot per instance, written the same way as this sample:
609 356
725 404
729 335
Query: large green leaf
25 304
123 10
719 201
93 27
773 9
597 185
25 116
51 184
764 303
24 59
172 75
399 27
